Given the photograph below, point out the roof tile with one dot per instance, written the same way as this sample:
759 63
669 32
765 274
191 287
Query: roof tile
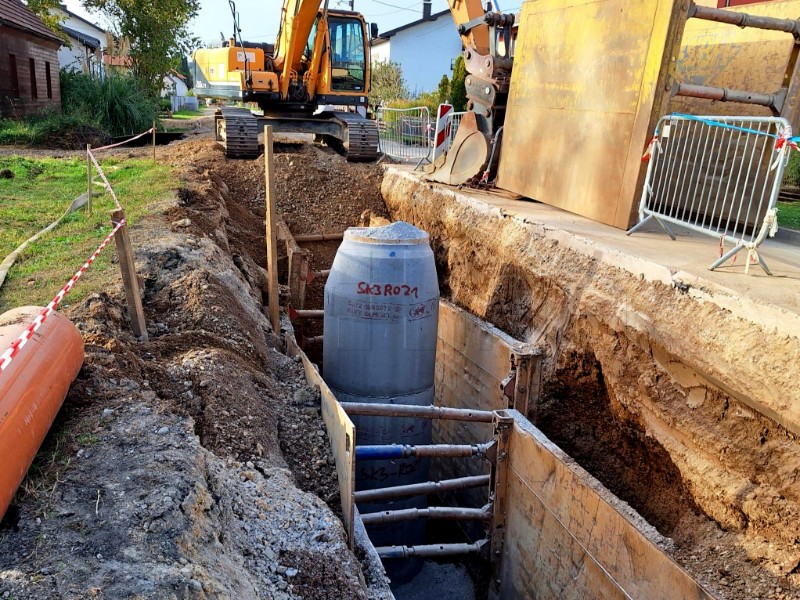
15 14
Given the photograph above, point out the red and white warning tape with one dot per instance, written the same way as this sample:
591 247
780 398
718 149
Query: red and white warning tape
648 153
19 343
785 144
108 187
124 142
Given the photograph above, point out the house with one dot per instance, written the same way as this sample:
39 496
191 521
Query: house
425 48
117 63
87 41
174 85
28 62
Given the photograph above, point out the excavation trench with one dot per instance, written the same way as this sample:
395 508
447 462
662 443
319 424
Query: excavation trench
645 393
654 417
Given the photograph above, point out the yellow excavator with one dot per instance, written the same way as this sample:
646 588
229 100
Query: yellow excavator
487 37
319 61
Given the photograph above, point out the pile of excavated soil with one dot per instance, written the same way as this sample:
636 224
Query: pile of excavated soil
194 465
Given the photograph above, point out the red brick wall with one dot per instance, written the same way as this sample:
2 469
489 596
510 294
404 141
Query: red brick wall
26 46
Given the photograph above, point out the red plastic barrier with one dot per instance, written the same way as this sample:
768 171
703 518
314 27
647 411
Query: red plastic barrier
32 390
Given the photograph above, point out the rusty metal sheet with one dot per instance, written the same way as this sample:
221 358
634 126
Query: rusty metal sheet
588 85
722 55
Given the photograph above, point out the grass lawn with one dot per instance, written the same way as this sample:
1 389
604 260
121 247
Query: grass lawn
38 194
186 114
789 215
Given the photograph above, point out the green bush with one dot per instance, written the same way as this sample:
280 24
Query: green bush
117 104
791 176
458 90
92 110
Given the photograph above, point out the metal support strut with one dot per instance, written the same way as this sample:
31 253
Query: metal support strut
745 20
432 550
419 489
434 512
773 101
418 412
394 451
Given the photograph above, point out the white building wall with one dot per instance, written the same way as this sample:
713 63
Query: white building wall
380 52
173 86
74 58
426 52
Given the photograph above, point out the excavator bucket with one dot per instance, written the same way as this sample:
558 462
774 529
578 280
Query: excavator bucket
467 156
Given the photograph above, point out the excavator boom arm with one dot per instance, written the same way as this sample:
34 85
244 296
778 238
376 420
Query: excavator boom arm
488 66
297 21
466 11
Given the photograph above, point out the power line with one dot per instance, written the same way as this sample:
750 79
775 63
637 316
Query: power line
399 7
391 12
448 23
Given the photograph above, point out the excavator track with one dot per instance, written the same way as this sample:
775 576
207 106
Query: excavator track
361 137
238 132
352 135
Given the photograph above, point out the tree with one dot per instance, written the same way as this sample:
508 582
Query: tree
183 69
387 84
157 31
458 90
47 11
444 89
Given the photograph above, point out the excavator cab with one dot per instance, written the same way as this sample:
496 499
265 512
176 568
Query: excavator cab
321 58
348 54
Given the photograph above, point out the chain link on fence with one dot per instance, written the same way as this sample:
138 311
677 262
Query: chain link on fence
719 176
405 134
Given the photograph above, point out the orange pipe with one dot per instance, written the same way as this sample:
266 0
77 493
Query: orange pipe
32 390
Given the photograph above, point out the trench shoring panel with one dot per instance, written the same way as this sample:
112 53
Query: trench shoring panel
566 536
472 359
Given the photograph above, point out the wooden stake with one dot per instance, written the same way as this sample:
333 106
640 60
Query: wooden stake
88 181
154 141
272 234
129 280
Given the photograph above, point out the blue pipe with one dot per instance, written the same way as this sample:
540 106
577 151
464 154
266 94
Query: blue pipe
380 452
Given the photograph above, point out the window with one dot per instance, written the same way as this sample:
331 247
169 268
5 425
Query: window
48 80
34 89
348 58
12 67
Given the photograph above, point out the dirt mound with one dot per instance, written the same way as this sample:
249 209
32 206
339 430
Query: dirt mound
71 137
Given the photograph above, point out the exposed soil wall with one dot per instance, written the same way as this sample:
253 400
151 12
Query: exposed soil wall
656 384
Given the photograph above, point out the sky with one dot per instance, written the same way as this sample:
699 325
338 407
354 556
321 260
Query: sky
259 19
